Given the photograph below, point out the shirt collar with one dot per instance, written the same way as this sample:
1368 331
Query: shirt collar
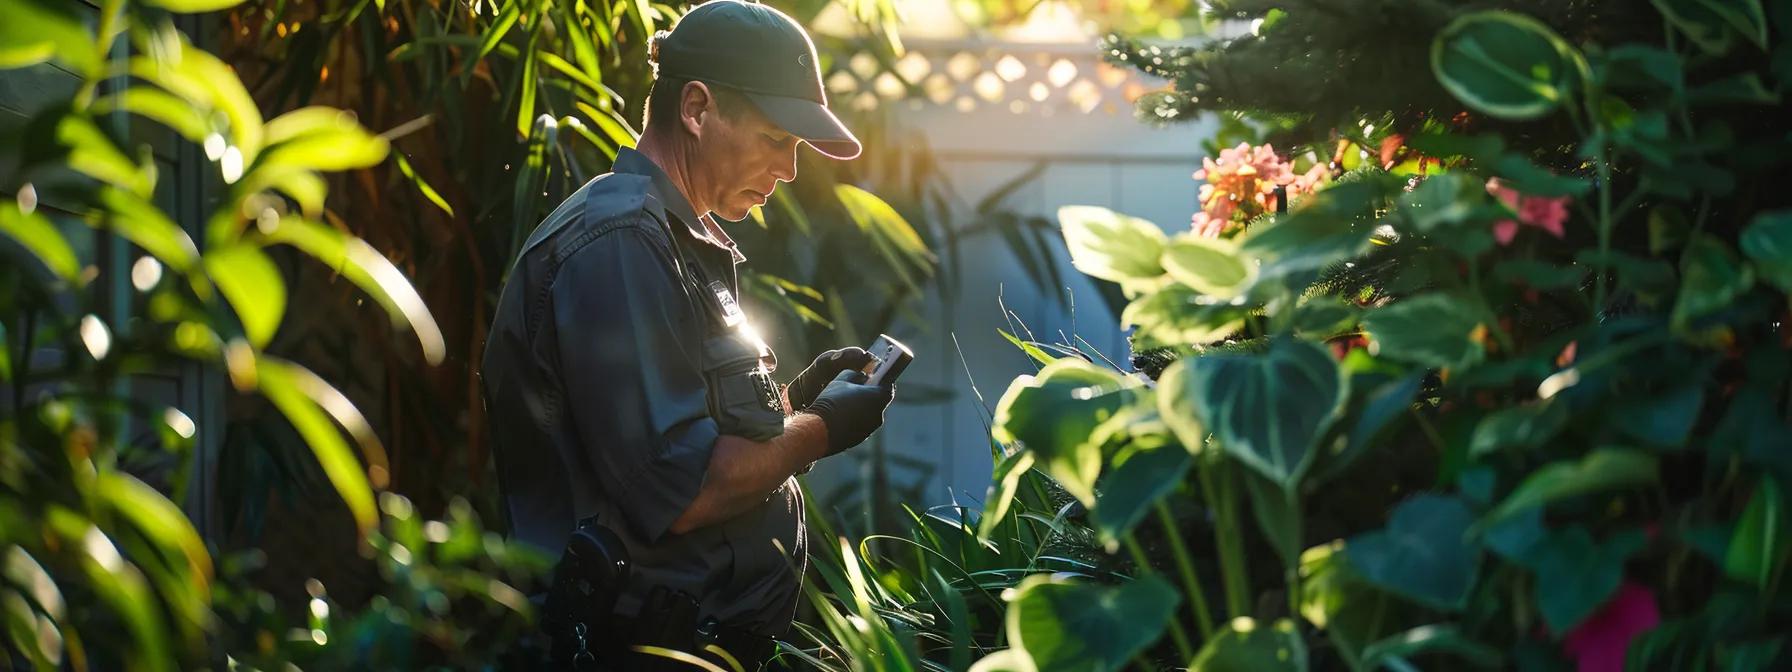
635 163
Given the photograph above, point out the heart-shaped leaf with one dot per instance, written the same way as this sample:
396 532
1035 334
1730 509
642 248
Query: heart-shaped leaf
1503 64
1053 414
1142 475
1063 625
1710 278
1112 246
1600 471
1210 266
1245 646
1575 575
1768 242
1436 329
1267 409
1423 554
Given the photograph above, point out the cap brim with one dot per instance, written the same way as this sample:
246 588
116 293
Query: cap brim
811 121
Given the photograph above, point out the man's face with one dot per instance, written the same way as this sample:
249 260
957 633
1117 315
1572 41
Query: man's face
742 160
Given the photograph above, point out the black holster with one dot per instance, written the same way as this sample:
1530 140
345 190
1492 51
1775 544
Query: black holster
591 574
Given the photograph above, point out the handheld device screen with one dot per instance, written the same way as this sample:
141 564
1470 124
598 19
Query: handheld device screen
890 358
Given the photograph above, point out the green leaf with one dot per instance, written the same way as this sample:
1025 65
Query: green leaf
876 216
1211 266
1173 315
1053 414
1661 420
422 185
39 236
222 91
1443 201
1603 470
1334 599
1244 646
344 148
93 154
1699 20
500 27
1032 350
1743 89
1267 409
1331 226
193 6
1768 242
1503 64
118 584
1140 478
1758 549
525 108
369 270
1575 575
149 228
1003 484
1385 405
1539 274
39 30
175 113
1643 66
1112 246
277 382
1325 318
1435 329
1523 426
1710 279
1433 639
1423 554
1062 625
254 288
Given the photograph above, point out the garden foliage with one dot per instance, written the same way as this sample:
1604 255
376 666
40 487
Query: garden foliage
1505 388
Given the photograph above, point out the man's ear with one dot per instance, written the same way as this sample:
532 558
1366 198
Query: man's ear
694 102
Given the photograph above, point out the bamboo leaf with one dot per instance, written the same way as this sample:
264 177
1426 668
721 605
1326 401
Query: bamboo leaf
278 381
369 270
39 236
254 288
421 184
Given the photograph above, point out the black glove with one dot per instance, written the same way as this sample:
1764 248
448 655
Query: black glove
802 391
851 409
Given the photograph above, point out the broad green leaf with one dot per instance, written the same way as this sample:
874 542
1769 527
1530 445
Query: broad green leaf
1325 317
1351 611
1423 554
193 6
1575 575
1713 24
1518 172
173 112
1173 315
1768 242
39 236
278 382
1003 484
1436 329
1431 639
1382 408
1062 625
1444 200
1506 65
1661 420
1710 279
93 154
40 30
1643 66
1758 549
1211 266
369 270
253 286
1745 89
307 121
1142 475
344 148
421 185
1266 409
224 92
1112 246
1523 426
1329 227
1246 646
1603 470
149 228
1053 414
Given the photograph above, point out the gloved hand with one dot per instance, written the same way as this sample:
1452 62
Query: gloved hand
851 409
809 383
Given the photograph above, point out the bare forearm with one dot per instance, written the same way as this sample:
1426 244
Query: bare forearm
743 472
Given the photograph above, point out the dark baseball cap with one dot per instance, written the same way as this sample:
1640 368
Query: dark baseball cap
765 55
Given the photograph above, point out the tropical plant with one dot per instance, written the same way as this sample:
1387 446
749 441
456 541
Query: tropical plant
1511 391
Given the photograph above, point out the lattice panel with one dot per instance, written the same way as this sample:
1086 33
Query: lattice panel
981 78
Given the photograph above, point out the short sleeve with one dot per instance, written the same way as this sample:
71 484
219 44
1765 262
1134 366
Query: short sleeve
628 340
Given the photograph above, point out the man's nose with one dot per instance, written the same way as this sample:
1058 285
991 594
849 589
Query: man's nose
785 168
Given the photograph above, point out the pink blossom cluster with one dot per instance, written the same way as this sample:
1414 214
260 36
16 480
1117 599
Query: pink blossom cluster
1536 211
1241 185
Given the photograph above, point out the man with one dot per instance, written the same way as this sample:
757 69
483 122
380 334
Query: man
622 380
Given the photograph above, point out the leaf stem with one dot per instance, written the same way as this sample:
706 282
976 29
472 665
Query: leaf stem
1185 566
1223 501
1138 557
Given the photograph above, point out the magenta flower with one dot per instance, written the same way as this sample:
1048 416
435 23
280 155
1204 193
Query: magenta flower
1599 643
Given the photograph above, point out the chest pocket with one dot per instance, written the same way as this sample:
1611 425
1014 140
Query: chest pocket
743 398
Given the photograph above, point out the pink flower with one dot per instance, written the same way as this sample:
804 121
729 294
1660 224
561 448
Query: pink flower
1241 185
1538 211
1598 643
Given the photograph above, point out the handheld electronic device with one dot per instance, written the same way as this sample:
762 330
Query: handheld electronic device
889 358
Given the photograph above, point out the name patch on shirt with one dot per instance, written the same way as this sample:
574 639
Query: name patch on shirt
731 313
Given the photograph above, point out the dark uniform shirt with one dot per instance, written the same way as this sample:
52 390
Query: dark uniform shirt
609 373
